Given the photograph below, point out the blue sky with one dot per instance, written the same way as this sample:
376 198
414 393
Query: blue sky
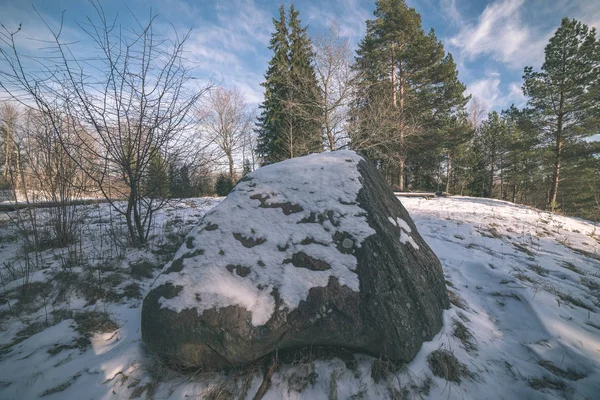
491 41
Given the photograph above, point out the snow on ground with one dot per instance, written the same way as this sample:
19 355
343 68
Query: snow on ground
524 323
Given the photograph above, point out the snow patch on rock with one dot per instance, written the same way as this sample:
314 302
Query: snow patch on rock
274 214
404 232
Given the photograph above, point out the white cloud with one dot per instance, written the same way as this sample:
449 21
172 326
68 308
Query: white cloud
228 48
451 12
501 33
350 16
488 92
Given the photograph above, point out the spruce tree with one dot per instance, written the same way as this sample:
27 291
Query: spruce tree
271 124
565 94
305 101
291 116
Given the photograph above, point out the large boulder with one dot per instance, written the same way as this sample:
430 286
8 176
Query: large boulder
315 250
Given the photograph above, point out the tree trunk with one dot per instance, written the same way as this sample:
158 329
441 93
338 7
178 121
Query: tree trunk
401 183
231 170
556 177
291 141
558 156
491 183
398 101
449 173
7 153
502 189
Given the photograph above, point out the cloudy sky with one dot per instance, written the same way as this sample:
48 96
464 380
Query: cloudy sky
492 41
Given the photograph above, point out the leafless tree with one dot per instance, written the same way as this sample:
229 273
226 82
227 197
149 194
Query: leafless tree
135 98
8 121
227 120
375 130
53 168
477 112
333 61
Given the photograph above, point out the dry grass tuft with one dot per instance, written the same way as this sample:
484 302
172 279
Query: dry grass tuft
444 364
546 383
572 267
456 300
90 322
464 335
569 374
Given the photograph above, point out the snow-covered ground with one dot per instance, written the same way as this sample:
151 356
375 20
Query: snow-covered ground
524 323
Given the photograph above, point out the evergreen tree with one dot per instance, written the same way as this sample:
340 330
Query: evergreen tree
247 168
407 84
180 181
156 179
565 94
271 123
305 102
291 117
522 164
580 194
224 185
492 140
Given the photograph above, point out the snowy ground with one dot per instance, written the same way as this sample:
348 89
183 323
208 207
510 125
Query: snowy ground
524 323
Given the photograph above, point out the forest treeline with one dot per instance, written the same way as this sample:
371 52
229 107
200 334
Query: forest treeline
398 101
137 125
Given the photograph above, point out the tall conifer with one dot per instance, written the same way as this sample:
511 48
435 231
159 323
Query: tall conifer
565 94
405 80
290 124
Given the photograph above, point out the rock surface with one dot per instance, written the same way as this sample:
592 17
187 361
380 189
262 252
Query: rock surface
310 251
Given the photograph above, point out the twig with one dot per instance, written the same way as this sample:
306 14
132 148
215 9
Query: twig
267 380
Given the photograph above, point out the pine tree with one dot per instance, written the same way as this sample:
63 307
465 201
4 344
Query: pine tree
522 162
407 85
565 94
290 121
492 140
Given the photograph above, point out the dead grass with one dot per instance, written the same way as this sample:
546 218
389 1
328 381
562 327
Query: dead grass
30 297
62 387
594 256
538 269
444 364
382 369
132 291
219 392
456 300
90 322
572 267
142 269
425 387
545 383
506 295
523 249
525 278
569 374
590 284
302 376
462 333
568 298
